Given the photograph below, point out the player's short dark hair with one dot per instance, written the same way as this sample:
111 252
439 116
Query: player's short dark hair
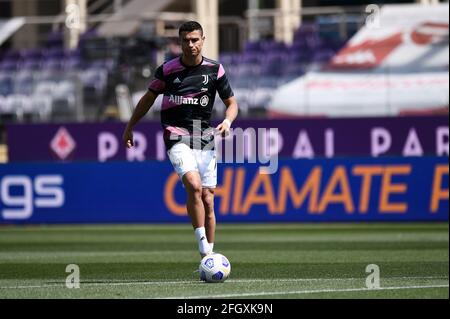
190 26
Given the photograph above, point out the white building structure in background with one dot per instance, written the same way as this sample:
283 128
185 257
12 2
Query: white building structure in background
399 67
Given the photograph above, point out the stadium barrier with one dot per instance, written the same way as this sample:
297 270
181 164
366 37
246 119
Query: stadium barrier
321 190
296 138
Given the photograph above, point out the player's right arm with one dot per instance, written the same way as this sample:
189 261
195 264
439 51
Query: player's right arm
144 105
156 87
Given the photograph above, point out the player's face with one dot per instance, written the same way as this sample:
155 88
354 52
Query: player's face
192 43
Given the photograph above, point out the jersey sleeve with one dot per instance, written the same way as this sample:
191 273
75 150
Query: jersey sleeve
158 84
223 85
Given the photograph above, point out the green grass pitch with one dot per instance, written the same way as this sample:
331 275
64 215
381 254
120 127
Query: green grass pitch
268 261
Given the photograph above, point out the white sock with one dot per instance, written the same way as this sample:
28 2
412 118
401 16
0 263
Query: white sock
212 246
203 245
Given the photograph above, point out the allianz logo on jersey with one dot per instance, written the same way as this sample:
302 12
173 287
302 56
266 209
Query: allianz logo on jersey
180 100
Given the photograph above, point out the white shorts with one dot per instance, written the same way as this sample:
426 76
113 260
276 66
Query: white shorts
184 160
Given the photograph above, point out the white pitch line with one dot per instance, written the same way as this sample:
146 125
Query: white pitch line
84 284
300 292
196 282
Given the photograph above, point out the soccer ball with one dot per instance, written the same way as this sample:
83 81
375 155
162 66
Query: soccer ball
214 268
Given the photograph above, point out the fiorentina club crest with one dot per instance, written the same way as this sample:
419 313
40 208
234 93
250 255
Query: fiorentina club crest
62 143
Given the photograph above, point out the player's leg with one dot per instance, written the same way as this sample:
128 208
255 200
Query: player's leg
207 165
185 164
196 210
193 186
210 217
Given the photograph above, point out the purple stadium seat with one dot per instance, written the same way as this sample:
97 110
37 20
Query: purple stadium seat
15 104
73 63
252 47
42 106
2 103
5 108
24 82
52 64
12 55
270 46
249 58
94 78
6 84
73 53
300 54
323 56
271 69
268 82
55 39
23 102
54 53
31 64
226 59
8 65
294 70
29 54
107 64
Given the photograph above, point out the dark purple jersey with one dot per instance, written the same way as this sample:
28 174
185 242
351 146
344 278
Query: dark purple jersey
189 94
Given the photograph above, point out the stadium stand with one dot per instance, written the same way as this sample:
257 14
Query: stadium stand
51 83
265 65
94 66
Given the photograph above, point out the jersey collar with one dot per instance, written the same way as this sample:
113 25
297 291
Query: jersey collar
190 67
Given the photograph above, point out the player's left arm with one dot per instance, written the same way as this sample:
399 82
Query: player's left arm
229 99
230 115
